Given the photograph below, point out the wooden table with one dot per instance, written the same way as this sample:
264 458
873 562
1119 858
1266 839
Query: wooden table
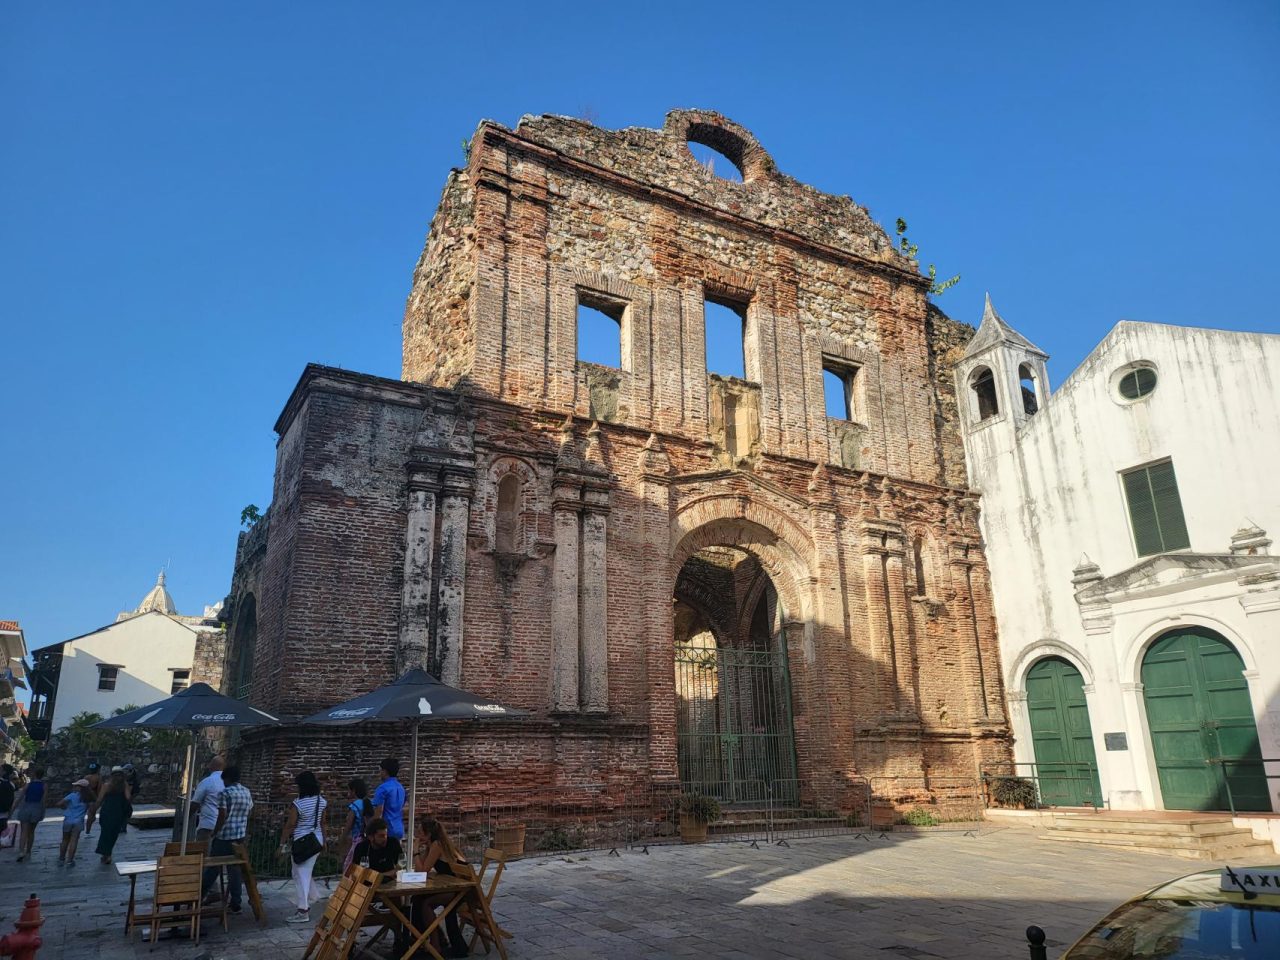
136 868
392 894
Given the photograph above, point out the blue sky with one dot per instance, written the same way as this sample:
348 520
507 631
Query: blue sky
200 198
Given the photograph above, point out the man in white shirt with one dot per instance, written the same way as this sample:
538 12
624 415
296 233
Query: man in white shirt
205 799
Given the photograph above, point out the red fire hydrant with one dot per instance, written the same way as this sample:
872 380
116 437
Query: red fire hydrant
23 943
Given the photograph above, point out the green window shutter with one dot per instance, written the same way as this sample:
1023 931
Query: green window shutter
1142 512
1168 505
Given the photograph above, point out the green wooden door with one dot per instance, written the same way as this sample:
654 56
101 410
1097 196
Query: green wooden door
1199 710
1061 735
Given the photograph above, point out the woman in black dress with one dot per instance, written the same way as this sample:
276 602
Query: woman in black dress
435 853
112 812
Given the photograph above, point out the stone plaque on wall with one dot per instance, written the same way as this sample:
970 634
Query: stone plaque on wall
1116 741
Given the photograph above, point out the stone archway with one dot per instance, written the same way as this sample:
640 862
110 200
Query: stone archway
741 623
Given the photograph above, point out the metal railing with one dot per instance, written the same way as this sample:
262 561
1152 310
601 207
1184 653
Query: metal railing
1046 785
1228 769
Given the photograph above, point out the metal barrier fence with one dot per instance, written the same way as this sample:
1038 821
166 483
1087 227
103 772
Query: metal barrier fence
609 817
1042 785
927 804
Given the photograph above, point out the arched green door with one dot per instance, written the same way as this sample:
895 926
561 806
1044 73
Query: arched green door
1201 721
1061 734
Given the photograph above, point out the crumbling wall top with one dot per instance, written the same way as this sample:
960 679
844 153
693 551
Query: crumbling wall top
660 158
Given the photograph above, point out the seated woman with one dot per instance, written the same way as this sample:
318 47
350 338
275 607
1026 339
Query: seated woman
435 853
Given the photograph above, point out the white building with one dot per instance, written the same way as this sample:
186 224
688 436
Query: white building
1137 597
146 655
13 652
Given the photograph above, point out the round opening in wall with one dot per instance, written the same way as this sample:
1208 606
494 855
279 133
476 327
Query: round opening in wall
1137 383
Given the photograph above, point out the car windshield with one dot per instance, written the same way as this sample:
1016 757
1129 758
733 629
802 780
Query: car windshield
1190 929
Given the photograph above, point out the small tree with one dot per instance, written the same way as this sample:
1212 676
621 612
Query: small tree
250 515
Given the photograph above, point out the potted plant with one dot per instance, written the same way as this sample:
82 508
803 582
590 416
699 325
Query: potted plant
1015 792
509 838
696 811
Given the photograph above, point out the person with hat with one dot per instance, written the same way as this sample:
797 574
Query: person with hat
76 804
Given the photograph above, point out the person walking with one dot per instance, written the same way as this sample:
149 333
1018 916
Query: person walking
76 804
8 793
94 776
229 828
388 799
359 813
306 840
204 801
30 807
113 811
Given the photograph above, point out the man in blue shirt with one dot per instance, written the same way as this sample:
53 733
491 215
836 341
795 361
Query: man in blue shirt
388 799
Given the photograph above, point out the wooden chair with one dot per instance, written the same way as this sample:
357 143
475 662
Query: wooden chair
337 941
178 887
467 915
173 848
332 910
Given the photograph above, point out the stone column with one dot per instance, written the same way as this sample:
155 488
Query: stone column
566 501
415 597
594 609
455 511
904 645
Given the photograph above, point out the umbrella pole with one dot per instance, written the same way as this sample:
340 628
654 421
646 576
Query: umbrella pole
411 832
186 801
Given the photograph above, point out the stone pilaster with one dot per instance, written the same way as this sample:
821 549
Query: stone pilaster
566 502
415 596
455 512
593 590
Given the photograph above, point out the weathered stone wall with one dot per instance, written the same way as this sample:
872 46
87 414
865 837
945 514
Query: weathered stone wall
390 546
947 339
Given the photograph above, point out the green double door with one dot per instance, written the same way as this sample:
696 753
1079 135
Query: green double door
1061 735
1201 721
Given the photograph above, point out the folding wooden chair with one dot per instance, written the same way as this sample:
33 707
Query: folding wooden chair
467 915
338 940
173 848
332 909
178 887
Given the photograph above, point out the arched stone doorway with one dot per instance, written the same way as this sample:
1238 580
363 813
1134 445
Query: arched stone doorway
734 729
1202 726
1061 734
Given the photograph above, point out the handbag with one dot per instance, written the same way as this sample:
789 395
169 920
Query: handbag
308 845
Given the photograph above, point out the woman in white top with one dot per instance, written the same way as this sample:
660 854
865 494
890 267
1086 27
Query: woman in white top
305 832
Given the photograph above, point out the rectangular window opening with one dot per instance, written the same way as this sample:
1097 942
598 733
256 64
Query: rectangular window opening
107 677
1155 509
181 680
601 330
725 332
841 390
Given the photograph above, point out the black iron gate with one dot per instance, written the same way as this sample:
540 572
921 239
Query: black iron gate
733 721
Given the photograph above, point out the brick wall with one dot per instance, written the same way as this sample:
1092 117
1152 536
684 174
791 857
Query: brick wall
890 676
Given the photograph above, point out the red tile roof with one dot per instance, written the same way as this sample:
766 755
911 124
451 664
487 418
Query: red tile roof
9 625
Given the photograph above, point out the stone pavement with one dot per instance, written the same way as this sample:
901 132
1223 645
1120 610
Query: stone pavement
917 897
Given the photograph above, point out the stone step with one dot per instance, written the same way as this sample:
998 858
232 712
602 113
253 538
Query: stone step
1239 843
1208 826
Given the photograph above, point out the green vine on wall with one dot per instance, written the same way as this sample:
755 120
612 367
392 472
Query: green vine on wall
936 286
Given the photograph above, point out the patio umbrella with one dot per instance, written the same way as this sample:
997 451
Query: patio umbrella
192 709
417 697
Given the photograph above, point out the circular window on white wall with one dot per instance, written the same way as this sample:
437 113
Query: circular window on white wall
1135 381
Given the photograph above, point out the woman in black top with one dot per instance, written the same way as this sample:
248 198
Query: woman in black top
435 853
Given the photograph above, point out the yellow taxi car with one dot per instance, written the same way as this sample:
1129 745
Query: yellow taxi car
1231 913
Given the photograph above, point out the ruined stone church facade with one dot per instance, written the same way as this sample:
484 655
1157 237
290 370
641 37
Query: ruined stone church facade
684 577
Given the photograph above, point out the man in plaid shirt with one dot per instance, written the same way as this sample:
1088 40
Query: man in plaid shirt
234 804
